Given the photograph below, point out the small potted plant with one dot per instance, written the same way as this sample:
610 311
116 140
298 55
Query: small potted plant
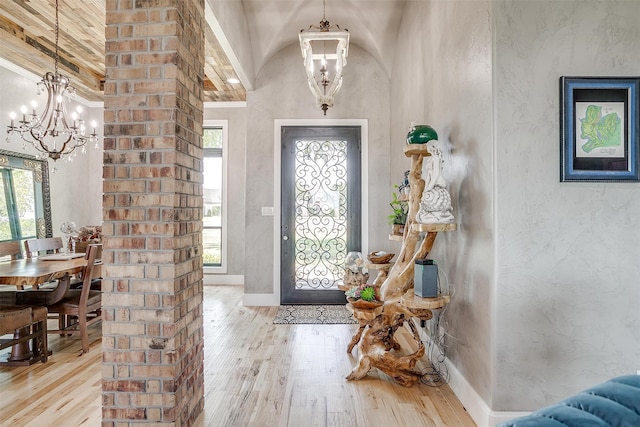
398 218
364 295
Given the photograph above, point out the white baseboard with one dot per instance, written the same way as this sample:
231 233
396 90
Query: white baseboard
496 418
253 300
223 279
477 408
473 403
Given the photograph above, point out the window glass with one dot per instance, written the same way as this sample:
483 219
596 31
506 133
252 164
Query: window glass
212 195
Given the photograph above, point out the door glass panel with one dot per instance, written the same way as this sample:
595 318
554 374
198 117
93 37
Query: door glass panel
320 213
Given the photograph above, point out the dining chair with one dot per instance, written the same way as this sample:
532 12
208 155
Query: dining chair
96 281
33 247
79 308
9 250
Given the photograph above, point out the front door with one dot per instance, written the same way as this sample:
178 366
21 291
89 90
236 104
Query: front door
321 210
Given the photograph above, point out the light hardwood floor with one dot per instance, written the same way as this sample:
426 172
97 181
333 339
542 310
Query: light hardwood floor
256 374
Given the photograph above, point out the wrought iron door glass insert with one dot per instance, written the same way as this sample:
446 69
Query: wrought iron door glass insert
320 213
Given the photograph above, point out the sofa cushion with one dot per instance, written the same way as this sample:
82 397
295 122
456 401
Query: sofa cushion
615 403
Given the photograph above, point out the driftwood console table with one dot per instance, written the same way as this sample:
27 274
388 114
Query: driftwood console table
377 347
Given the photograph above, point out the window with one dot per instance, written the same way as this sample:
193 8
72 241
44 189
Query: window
25 210
214 197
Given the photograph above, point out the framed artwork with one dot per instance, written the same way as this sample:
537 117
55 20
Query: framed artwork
599 137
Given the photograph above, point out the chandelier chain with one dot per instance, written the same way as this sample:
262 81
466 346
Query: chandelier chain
55 66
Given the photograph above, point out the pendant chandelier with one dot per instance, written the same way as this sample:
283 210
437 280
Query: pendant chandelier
324 51
53 133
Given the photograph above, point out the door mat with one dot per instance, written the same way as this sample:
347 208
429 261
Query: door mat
313 314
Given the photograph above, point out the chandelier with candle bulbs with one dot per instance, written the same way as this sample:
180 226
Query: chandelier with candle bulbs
53 132
324 51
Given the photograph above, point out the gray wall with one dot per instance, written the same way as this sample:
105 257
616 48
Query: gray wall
282 93
567 293
442 77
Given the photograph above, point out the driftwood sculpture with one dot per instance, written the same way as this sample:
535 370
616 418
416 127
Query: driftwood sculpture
377 347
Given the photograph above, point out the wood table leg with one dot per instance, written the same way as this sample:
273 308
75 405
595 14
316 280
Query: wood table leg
20 352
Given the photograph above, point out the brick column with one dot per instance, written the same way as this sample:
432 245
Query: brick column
152 369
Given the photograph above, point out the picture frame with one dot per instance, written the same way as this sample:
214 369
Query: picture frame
599 139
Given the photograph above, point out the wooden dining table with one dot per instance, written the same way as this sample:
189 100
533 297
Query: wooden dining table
34 272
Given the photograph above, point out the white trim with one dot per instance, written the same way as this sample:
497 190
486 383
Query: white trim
224 124
36 78
496 418
230 104
211 19
277 173
473 403
222 279
260 300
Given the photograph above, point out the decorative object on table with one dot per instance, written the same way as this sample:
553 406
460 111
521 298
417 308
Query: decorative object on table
325 51
68 228
398 217
435 204
599 136
313 314
53 133
364 296
90 233
380 257
421 134
87 235
354 273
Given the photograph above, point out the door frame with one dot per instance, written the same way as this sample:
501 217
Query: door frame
277 182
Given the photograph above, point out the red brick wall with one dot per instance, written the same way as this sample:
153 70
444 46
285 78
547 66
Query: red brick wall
152 302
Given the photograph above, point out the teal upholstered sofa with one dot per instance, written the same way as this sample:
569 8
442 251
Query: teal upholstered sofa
615 403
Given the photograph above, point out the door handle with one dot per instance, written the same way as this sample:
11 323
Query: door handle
285 237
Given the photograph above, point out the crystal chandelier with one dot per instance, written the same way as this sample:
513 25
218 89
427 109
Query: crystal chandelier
321 49
53 133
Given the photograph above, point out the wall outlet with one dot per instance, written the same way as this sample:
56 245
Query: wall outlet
267 211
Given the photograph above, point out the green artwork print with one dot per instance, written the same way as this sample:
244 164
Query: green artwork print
599 131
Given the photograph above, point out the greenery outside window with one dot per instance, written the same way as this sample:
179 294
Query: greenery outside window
25 205
214 197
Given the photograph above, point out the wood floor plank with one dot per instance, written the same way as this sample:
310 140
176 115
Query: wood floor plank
256 374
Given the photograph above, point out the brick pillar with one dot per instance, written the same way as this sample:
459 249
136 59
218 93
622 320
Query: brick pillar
152 369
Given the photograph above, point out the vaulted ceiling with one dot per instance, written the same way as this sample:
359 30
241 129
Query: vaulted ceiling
27 31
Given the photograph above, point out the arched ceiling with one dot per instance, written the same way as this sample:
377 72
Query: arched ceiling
274 24
241 36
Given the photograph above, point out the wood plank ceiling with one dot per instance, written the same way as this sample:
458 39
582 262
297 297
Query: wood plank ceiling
27 31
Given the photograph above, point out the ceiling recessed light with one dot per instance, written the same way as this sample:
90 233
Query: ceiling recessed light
233 81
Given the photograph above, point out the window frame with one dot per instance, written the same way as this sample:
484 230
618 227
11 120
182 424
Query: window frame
222 268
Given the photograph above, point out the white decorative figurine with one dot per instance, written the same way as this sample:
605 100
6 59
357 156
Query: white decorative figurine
435 205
